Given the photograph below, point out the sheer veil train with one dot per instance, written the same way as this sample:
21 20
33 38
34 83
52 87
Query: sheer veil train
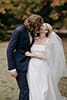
56 60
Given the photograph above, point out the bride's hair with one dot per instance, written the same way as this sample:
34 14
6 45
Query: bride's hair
49 28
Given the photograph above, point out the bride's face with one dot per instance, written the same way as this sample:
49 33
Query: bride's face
43 29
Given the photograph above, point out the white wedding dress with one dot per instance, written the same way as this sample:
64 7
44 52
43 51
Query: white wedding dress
39 76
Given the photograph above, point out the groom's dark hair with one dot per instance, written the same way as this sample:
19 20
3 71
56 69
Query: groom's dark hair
33 22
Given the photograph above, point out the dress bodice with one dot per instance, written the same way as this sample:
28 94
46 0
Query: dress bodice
38 48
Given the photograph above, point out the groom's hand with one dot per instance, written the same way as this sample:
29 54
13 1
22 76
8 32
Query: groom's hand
14 73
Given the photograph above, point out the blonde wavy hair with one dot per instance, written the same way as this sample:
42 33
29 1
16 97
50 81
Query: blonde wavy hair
48 27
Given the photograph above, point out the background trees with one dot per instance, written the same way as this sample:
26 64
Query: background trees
14 12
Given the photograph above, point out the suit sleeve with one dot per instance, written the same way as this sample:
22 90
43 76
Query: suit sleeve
10 50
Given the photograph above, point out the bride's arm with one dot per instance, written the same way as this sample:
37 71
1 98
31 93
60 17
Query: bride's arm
46 54
39 56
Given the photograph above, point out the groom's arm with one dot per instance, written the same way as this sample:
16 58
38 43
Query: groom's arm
10 50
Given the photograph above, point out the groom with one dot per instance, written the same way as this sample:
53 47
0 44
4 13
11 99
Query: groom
21 42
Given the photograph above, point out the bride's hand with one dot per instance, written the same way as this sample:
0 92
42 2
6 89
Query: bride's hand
27 53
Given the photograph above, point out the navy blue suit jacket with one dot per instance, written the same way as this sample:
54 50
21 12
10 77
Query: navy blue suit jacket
18 44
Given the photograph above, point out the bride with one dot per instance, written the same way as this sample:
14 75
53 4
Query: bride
58 69
43 74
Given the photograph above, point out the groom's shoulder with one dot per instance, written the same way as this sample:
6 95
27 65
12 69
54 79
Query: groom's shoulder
20 28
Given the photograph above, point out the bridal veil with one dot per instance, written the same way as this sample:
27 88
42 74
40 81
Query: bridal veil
56 60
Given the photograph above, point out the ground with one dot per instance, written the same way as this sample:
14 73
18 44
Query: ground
8 86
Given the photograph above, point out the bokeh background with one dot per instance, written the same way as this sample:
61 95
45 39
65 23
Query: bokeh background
12 14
